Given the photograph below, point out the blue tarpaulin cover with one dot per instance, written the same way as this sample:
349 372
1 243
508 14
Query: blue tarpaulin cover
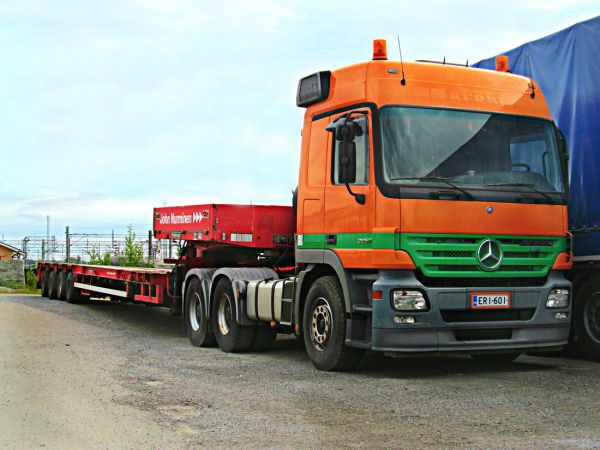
566 65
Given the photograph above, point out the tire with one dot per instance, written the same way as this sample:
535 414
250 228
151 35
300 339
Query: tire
586 319
496 358
61 286
52 285
231 336
197 324
264 339
324 327
45 275
72 294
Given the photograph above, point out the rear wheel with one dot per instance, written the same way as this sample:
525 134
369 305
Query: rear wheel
45 275
586 320
496 358
61 286
198 327
231 336
72 294
324 327
52 285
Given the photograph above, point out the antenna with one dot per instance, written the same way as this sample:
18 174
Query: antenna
531 85
444 61
403 80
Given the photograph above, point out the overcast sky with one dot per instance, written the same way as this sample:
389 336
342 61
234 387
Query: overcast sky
109 108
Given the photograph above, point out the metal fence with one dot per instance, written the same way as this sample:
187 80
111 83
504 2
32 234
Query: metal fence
77 246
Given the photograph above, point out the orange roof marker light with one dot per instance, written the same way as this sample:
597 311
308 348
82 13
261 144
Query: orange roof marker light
502 63
379 49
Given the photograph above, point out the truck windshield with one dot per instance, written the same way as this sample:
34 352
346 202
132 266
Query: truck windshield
471 150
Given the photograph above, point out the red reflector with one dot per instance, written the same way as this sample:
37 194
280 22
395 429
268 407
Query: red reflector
377 295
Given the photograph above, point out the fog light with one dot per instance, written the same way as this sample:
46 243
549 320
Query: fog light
409 301
558 298
561 315
404 319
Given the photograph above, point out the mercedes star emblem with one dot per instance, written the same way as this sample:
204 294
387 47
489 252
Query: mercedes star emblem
489 254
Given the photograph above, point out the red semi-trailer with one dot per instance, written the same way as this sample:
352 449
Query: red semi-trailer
430 216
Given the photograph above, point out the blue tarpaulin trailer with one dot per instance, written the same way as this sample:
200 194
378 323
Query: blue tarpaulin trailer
566 66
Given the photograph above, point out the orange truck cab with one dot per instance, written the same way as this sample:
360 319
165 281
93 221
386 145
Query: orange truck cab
432 201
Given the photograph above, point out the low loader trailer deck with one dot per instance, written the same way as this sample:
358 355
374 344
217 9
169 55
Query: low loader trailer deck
430 216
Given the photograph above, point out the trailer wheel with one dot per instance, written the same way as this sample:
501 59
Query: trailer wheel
324 327
198 327
61 286
45 275
52 285
231 336
264 338
586 320
72 294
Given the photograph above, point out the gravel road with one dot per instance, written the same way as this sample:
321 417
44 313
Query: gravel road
112 375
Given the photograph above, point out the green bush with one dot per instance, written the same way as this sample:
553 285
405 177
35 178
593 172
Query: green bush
99 259
11 284
133 254
31 280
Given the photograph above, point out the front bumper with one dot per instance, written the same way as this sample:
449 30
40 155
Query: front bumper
451 325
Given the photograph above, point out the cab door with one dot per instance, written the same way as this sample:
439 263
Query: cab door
311 190
347 221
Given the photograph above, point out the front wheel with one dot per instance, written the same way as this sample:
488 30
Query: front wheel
230 335
586 320
324 327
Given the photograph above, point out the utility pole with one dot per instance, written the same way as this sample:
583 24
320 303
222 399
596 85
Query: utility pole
48 235
25 248
43 250
67 244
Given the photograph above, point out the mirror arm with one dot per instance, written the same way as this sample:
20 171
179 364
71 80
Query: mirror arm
360 198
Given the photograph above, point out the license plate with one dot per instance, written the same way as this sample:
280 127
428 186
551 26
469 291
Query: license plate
490 300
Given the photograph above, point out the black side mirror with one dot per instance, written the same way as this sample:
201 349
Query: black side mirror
347 162
562 143
346 130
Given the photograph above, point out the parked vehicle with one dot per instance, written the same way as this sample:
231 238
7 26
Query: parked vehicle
430 216
566 66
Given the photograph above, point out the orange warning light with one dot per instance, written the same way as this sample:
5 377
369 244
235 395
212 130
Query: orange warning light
502 63
379 49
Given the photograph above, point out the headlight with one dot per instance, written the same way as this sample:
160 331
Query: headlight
558 298
409 301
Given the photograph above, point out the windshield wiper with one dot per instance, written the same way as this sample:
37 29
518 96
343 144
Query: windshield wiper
441 180
527 185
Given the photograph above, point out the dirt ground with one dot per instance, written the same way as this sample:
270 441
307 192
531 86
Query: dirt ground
112 375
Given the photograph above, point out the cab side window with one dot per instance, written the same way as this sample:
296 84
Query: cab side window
362 154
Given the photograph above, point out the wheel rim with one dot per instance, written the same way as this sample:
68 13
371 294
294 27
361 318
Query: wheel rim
321 325
195 311
224 316
591 317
